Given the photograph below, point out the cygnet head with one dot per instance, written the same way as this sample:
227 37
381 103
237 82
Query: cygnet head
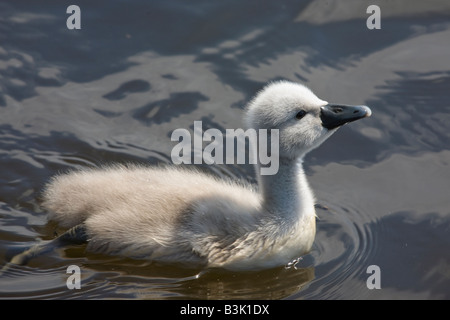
304 121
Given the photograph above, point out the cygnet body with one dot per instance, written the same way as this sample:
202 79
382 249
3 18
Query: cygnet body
177 215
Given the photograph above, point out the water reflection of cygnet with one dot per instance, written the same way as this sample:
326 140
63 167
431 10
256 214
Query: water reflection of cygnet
176 215
275 283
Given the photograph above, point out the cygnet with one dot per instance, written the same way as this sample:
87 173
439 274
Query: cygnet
175 215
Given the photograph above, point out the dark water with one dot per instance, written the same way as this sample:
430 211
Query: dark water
116 89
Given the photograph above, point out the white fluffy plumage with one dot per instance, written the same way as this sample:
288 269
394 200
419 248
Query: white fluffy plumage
184 216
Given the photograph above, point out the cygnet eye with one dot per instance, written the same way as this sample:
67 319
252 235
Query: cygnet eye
300 114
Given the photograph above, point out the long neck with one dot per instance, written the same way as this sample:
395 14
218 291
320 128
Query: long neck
287 193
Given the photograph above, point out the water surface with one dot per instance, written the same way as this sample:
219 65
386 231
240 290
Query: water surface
116 89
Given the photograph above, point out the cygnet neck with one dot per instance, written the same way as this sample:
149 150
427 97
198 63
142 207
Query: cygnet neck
287 193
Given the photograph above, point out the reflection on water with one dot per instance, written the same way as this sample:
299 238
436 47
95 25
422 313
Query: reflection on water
113 277
114 92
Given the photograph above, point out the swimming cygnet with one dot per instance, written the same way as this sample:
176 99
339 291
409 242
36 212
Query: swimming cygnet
184 216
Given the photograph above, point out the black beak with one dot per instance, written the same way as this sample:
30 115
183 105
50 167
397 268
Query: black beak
335 115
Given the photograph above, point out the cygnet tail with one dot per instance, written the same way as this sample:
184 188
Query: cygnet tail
70 198
76 235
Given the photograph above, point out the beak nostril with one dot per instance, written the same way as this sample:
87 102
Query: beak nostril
338 110
356 111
